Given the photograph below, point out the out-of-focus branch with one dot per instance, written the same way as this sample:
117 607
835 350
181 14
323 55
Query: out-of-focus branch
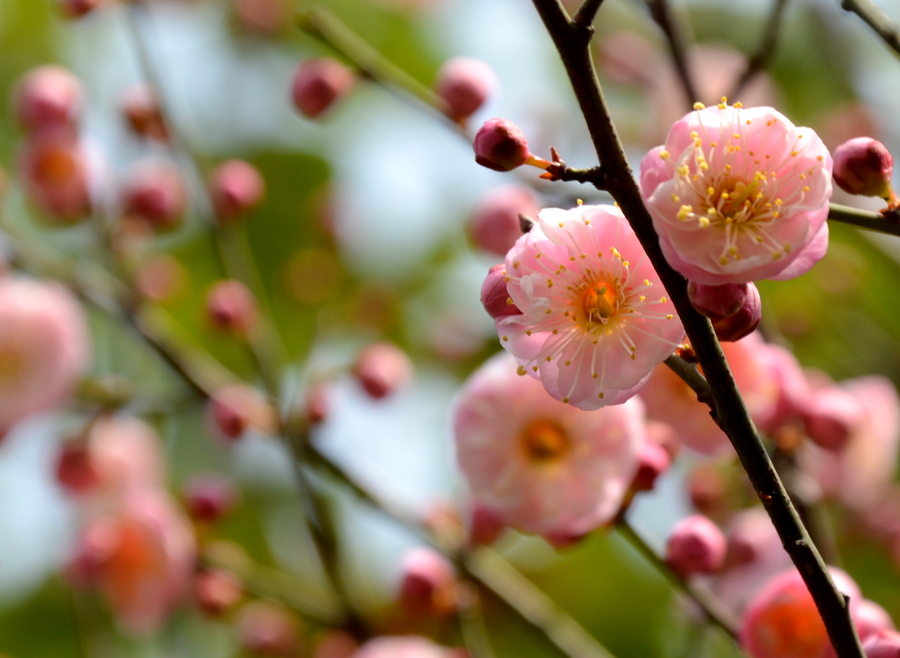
888 222
766 50
875 18
587 12
675 33
572 42
717 612
327 28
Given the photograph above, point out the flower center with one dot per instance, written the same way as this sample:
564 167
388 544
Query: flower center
544 441
600 302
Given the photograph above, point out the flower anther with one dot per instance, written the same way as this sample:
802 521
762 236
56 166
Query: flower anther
594 318
739 195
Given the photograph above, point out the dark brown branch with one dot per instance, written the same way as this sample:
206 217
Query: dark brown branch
587 12
662 14
766 49
731 413
875 18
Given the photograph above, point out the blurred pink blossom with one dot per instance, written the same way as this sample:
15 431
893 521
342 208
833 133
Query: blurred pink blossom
538 465
739 195
44 347
494 225
406 646
464 84
695 545
55 171
48 97
595 319
382 368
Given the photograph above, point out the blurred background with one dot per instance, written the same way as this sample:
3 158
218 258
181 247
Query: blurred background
368 233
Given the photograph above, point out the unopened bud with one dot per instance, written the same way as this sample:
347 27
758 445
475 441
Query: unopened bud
464 84
335 644
268 629
209 497
78 8
217 592
235 187
495 296
235 408
382 368
830 416
265 17
485 526
501 145
428 583
735 310
696 545
653 461
55 172
141 109
317 402
74 468
48 97
318 84
155 193
496 223
230 306
864 166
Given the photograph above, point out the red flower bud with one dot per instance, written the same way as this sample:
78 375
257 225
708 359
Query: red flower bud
48 97
382 368
734 309
209 497
464 84
230 306
864 166
318 84
155 193
501 145
494 296
235 187
696 545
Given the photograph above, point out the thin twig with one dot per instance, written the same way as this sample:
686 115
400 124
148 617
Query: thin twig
873 221
691 376
573 44
675 36
323 25
875 18
717 612
766 49
587 12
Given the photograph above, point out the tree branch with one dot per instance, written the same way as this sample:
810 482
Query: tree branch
875 18
731 412
888 222
766 48
662 14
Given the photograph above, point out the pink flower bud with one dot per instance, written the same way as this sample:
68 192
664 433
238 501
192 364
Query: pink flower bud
55 173
382 368
428 583
160 277
48 97
235 408
653 461
78 8
141 109
336 644
485 527
230 306
495 226
464 84
235 187
75 470
155 193
209 497
268 629
696 545
318 84
735 309
831 416
885 644
864 166
265 17
494 296
317 402
217 592
501 145
750 537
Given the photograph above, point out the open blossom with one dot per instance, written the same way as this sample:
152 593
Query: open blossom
539 465
44 347
739 195
595 318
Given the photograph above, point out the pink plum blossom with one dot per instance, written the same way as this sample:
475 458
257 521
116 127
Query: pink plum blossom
739 195
44 347
782 621
538 465
885 644
140 555
695 545
671 401
595 319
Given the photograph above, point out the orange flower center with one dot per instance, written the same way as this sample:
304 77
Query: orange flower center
600 302
544 441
